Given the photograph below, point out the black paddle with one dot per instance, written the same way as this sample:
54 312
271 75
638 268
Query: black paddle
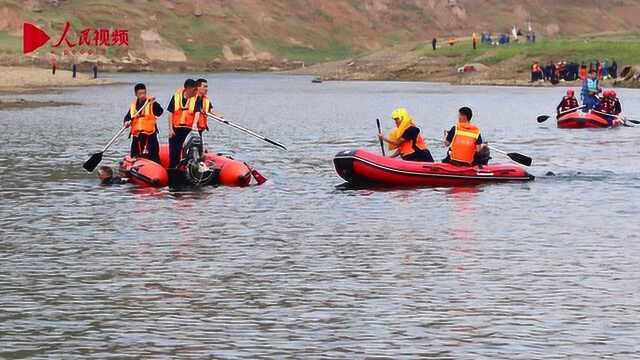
624 119
96 158
227 122
381 142
543 118
517 157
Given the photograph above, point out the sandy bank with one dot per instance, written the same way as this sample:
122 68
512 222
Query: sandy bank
29 104
17 79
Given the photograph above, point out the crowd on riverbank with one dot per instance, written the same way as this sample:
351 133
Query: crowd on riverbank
563 71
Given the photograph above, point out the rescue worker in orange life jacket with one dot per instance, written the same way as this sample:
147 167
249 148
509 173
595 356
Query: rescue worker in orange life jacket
406 138
466 146
207 106
185 108
569 102
144 130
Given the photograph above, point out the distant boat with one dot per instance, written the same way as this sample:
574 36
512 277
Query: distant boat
316 80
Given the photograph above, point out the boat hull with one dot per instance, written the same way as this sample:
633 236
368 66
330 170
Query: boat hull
582 120
362 168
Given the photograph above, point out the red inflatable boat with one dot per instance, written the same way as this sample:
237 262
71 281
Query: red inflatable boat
361 167
586 120
145 172
231 172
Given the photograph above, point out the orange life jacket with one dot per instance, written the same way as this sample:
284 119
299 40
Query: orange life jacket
582 73
144 122
463 145
408 147
203 123
183 115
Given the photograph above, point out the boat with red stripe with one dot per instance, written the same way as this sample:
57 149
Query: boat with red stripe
362 168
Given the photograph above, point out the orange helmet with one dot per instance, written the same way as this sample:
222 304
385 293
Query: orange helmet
570 93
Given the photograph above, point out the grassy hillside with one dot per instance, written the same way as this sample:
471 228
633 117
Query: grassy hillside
314 30
501 65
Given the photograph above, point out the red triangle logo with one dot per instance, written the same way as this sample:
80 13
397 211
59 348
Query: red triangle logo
32 38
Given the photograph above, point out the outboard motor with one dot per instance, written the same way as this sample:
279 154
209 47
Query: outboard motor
196 172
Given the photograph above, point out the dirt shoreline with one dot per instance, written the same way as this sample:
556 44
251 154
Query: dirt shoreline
408 62
31 104
22 80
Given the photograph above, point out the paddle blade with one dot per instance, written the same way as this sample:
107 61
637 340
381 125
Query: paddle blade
275 143
381 142
633 121
93 161
543 118
520 159
259 177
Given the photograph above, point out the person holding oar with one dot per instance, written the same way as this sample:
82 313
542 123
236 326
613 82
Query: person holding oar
207 106
466 147
96 158
465 142
568 104
609 108
405 139
141 118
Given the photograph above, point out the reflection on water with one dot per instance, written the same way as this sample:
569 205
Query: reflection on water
301 268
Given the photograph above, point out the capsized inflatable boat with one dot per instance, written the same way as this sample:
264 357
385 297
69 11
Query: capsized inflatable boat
362 168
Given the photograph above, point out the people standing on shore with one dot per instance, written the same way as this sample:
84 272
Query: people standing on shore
95 71
582 74
465 142
434 43
474 40
406 139
142 119
613 70
536 72
185 112
53 59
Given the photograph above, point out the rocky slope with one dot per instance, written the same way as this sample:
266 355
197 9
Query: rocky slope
288 33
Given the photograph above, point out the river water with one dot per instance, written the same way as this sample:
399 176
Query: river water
300 268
